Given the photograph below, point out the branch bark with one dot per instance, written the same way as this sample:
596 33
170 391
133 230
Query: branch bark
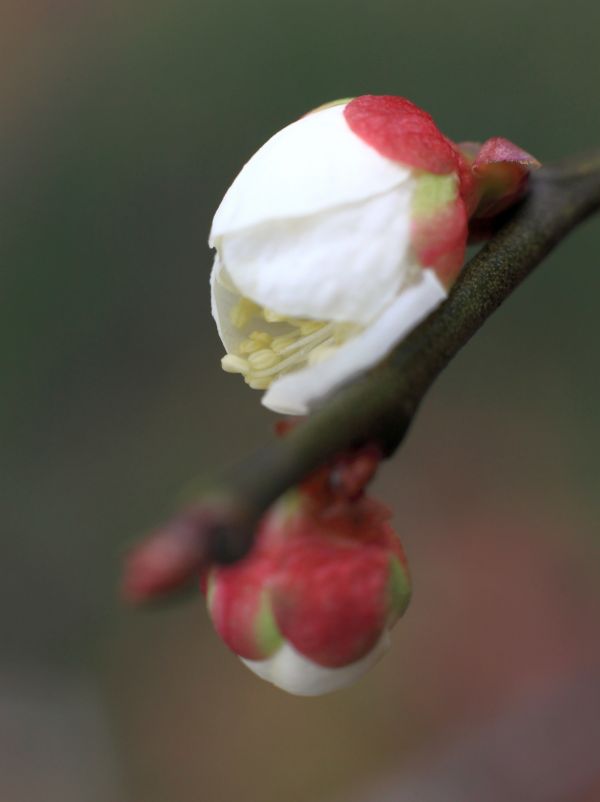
381 404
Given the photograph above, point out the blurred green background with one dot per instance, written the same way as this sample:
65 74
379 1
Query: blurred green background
122 124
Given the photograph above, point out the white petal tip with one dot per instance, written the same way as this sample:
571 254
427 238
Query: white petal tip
292 672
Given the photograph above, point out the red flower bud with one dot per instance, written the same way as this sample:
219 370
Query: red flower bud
311 606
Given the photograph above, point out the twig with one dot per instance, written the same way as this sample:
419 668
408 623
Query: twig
379 406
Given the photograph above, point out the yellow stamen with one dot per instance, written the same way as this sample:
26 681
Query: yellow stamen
310 326
263 359
260 337
249 347
344 331
310 340
234 364
278 344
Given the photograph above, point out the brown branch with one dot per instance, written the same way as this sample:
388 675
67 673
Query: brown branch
379 406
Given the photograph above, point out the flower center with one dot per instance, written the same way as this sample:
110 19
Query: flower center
280 344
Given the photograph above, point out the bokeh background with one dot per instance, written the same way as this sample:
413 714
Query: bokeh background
121 125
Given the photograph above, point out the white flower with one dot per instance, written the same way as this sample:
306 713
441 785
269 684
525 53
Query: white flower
316 276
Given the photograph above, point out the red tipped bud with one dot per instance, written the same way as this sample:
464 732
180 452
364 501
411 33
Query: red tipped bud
310 607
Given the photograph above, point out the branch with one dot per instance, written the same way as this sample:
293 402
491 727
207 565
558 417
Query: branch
380 405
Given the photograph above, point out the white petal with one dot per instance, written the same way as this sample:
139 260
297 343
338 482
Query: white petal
296 393
345 264
294 673
313 164
223 297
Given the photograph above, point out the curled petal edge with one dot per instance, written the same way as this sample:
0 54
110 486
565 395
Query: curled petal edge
297 393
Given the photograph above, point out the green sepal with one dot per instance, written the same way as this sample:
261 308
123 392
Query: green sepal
268 637
399 590
432 193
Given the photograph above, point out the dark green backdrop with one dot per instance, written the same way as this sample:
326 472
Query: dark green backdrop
122 124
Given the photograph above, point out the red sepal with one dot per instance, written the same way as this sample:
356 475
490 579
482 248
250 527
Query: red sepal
501 171
440 240
401 131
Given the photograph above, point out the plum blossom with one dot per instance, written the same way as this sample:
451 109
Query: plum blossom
343 232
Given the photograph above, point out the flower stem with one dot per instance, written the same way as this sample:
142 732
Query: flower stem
380 406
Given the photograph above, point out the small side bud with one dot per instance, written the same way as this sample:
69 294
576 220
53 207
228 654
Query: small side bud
501 171
172 556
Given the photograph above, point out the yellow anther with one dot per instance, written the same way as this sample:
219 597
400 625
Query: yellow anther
243 312
263 359
260 337
248 347
234 364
